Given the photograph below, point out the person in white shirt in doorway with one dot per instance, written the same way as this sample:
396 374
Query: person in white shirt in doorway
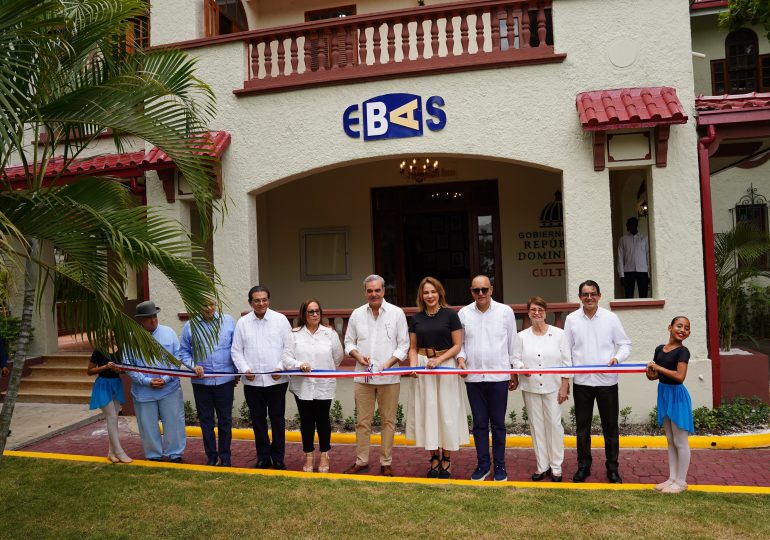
489 341
377 338
595 336
634 260
258 343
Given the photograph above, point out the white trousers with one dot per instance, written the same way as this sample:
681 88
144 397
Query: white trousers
547 432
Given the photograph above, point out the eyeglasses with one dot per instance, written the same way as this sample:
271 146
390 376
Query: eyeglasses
590 295
479 290
536 310
313 312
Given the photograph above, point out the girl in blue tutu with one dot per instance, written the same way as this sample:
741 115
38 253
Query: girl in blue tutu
669 367
107 395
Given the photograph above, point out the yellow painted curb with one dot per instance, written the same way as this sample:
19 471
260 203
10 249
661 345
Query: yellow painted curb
753 490
728 442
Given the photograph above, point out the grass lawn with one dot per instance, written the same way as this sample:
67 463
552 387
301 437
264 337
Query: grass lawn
54 499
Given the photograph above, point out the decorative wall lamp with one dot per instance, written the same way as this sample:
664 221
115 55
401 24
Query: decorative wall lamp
419 169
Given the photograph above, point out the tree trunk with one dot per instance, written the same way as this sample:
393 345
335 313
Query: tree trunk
19 356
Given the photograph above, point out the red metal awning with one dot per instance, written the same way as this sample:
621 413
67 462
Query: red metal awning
125 165
624 108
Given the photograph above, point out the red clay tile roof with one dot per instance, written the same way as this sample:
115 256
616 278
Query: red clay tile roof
623 108
732 102
213 143
99 164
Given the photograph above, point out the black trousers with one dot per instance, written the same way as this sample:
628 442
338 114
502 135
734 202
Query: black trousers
314 416
606 398
636 278
264 402
219 399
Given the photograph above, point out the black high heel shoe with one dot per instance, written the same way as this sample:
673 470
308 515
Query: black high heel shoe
433 472
540 475
444 471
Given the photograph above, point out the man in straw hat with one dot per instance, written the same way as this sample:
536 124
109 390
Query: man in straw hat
158 397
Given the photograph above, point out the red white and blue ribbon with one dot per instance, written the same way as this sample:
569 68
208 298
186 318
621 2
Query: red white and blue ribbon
405 371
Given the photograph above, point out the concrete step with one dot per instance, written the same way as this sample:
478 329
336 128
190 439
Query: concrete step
66 360
58 372
32 384
54 396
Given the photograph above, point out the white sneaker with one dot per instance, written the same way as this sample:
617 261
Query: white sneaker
664 485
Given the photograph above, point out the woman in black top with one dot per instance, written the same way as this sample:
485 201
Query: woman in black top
437 418
669 367
107 395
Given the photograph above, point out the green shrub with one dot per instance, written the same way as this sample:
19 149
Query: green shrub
350 423
376 420
245 415
10 328
190 415
653 418
512 417
335 414
400 416
524 415
625 413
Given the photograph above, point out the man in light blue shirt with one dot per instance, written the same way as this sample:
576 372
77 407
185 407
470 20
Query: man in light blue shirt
213 393
158 396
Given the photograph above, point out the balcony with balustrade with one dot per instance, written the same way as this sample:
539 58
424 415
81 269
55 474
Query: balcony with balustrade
441 38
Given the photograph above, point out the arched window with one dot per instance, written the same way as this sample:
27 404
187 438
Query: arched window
741 56
743 69
224 17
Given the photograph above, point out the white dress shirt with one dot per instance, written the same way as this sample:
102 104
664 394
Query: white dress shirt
489 338
633 254
533 352
258 345
321 350
378 339
595 341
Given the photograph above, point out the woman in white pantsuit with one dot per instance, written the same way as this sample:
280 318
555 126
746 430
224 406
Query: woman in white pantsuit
539 346
437 419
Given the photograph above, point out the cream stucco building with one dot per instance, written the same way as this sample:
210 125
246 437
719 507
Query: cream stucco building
527 188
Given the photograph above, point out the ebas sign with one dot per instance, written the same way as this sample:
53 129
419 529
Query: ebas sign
394 116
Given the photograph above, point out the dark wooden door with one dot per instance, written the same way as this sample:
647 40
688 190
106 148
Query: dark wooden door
448 231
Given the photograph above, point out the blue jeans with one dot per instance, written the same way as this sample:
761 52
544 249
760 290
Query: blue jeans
170 411
488 403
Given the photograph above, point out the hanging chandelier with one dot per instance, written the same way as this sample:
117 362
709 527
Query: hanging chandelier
419 169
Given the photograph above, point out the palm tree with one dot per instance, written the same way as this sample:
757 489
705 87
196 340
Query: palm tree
737 253
67 70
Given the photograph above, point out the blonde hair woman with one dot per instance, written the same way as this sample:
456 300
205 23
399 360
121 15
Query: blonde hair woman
437 418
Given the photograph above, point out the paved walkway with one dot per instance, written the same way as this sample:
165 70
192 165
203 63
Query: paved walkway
32 422
643 466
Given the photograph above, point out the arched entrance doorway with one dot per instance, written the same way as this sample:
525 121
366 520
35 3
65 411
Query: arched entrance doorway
319 235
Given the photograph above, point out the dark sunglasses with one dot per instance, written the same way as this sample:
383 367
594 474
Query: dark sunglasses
313 312
479 290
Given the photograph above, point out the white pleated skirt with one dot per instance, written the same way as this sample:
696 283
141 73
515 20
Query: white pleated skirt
436 414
